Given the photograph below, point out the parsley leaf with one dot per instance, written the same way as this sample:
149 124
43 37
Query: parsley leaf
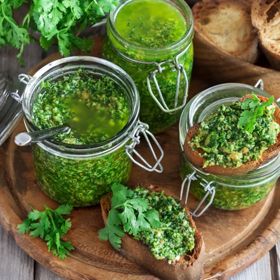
58 22
50 226
253 110
128 214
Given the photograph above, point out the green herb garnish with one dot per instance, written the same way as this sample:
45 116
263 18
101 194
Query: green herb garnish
50 226
128 214
253 109
59 22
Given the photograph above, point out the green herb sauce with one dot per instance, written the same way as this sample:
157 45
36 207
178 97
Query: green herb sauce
96 109
223 142
152 24
79 182
234 197
175 236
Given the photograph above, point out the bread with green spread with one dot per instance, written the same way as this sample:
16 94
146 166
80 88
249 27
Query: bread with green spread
139 249
236 138
227 25
266 18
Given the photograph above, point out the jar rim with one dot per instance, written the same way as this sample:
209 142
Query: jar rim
268 169
80 62
176 45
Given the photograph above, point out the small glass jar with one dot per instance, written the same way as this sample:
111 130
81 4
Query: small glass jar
81 174
162 75
224 192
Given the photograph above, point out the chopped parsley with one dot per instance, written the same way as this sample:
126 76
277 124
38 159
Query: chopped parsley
95 108
155 219
237 133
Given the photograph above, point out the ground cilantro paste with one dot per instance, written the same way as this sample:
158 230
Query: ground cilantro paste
96 110
175 237
154 25
223 142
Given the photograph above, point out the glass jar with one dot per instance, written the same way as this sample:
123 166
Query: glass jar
224 192
161 74
81 174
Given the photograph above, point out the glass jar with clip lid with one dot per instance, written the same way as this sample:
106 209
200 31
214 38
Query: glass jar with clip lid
73 168
231 192
152 41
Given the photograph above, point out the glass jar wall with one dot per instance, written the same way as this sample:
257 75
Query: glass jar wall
152 41
81 174
224 192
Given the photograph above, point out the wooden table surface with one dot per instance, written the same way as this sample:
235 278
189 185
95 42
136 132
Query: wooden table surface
16 265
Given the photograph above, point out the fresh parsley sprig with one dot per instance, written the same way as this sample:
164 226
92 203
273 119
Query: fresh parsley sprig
253 110
128 214
50 226
57 21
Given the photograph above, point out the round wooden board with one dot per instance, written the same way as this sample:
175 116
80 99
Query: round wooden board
233 240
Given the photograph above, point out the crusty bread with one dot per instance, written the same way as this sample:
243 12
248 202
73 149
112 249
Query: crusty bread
188 267
227 25
194 156
266 18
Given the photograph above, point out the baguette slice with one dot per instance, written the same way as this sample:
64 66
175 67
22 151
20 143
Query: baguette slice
266 18
227 25
188 267
194 156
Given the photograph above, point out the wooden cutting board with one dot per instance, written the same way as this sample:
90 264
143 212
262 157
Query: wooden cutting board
233 239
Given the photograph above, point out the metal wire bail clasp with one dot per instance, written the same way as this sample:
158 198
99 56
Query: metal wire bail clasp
142 128
259 84
208 187
160 100
25 79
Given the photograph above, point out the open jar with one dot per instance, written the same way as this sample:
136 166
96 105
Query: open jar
81 174
152 41
225 192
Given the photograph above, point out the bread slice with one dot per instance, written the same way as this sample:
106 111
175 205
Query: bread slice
188 267
266 18
227 25
194 156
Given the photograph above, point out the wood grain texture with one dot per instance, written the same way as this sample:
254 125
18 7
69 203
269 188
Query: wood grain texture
14 263
278 258
42 273
260 270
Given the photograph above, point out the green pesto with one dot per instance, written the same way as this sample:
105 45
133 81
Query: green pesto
236 197
175 237
222 141
79 182
162 29
96 109
153 24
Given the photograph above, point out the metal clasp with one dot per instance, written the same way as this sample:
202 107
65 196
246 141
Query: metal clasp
142 128
25 79
208 187
259 84
161 100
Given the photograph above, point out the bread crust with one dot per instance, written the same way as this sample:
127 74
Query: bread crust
266 18
188 267
227 25
194 156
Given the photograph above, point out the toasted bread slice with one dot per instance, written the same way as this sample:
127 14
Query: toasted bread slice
188 267
194 156
227 25
266 18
